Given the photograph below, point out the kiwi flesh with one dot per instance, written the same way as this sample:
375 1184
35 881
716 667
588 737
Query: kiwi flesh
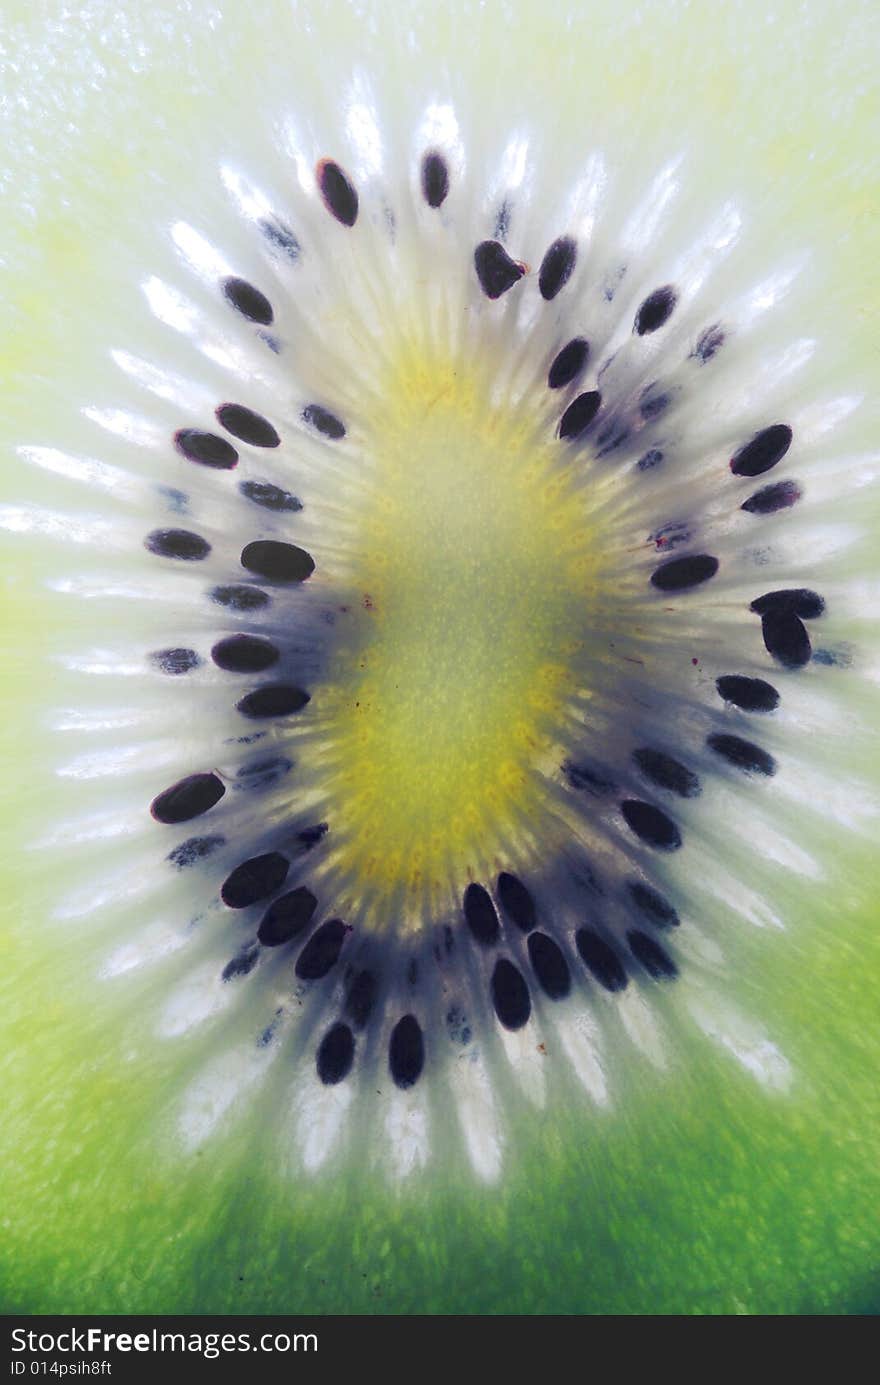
201 1101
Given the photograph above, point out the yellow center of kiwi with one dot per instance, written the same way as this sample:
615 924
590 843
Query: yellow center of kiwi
475 585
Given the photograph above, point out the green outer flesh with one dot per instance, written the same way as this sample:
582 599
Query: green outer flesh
701 1194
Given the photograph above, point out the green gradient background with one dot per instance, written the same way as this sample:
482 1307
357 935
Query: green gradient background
701 1194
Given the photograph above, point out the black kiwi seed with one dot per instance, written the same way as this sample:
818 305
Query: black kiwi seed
276 561
510 995
786 638
651 825
579 415
194 849
435 180
557 267
550 966
516 901
653 904
763 451
248 300
338 193
287 916
568 363
496 271
244 654
749 694
240 598
742 754
254 879
653 457
798 601
666 772
273 700
361 998
322 950
206 448
709 344
177 543
771 499
653 957
335 1054
655 310
247 425
175 661
270 497
406 1052
601 960
188 798
681 573
480 915
586 778
325 422
242 964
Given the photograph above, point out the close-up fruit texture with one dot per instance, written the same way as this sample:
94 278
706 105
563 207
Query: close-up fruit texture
440 565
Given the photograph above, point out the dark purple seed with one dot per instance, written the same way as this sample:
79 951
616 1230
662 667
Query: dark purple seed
651 825
651 459
496 271
244 654
322 950
406 1052
325 422
655 310
655 959
175 661
510 995
276 561
287 916
338 193
786 638
749 694
601 960
177 543
796 601
681 573
579 415
770 499
550 966
247 425
480 915
273 700
744 755
587 778
666 772
248 301
516 901
254 879
653 406
194 849
206 448
763 451
335 1055
435 179
310 836
653 904
361 998
270 497
568 363
557 267
262 774
188 798
709 343
240 598
243 963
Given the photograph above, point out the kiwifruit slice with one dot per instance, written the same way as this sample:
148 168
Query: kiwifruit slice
443 846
